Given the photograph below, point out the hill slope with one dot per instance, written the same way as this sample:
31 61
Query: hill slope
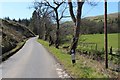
94 24
111 17
12 33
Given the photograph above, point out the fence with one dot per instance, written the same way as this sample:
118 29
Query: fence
91 46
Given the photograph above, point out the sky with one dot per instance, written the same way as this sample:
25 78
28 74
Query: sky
23 9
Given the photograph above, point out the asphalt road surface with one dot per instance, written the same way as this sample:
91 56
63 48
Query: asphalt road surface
32 61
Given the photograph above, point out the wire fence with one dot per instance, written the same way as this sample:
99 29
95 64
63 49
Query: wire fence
88 46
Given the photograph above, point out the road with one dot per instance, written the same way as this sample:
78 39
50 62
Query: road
32 61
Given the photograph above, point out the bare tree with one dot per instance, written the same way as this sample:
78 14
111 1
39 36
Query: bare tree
33 23
77 21
42 18
48 26
57 18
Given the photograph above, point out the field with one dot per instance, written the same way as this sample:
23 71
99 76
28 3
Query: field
98 39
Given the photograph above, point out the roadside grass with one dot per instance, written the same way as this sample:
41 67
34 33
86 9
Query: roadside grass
84 68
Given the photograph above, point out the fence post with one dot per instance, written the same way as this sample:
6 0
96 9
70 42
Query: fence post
96 47
111 50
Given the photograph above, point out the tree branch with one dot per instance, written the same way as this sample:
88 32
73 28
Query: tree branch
55 2
48 4
59 4
62 13
71 11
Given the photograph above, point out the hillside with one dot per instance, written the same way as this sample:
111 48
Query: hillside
12 34
94 24
110 17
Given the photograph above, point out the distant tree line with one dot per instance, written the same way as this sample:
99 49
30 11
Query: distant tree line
91 27
25 22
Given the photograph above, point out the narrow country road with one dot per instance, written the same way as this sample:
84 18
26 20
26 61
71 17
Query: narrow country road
32 61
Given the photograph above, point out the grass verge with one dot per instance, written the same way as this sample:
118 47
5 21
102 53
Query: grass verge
84 68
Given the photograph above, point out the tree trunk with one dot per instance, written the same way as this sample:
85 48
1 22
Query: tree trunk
77 27
46 36
57 31
71 11
46 33
50 40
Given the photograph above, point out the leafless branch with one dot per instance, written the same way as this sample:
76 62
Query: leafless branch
59 4
63 13
92 3
55 2
48 4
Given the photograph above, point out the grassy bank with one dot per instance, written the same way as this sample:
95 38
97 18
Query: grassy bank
84 68
6 55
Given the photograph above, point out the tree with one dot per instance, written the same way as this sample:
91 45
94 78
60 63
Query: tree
48 27
14 20
7 18
43 20
19 20
34 24
57 18
25 22
77 22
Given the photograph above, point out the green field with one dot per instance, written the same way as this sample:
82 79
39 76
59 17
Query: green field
99 40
